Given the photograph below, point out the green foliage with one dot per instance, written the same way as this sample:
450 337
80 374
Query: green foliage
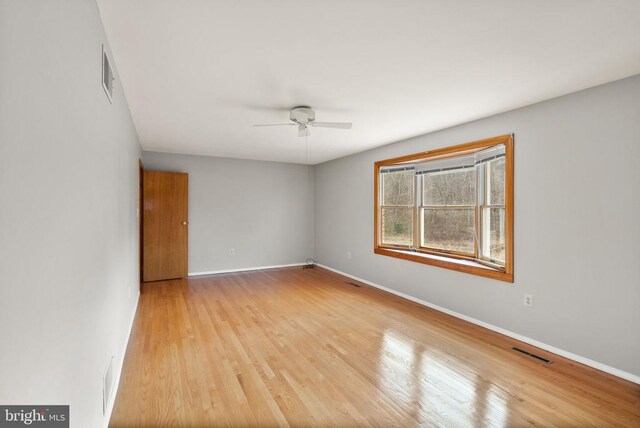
399 228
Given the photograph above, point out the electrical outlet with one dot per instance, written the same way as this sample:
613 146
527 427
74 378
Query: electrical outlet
349 255
528 300
232 252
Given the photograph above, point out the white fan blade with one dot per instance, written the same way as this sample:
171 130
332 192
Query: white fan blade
339 125
276 124
303 131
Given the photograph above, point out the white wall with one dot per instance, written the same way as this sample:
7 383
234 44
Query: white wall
262 210
68 192
577 225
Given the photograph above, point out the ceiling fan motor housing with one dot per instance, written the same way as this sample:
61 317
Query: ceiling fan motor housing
302 115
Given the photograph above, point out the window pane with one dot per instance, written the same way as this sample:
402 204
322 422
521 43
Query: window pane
496 241
496 181
397 225
449 229
455 187
397 188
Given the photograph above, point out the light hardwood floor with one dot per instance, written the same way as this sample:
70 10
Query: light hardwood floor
305 347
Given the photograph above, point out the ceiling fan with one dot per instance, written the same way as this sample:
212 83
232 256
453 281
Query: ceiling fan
304 117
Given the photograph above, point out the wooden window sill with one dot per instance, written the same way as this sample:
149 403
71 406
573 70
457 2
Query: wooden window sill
460 265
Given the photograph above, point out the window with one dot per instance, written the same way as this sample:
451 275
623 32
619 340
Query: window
397 207
450 207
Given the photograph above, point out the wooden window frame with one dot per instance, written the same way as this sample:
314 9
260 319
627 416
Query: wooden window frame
443 258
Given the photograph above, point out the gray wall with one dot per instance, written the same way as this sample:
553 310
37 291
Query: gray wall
68 229
262 210
577 225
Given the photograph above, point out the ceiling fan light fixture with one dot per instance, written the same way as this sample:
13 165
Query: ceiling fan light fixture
304 116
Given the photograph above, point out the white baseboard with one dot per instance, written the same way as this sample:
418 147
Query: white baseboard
582 360
214 272
120 362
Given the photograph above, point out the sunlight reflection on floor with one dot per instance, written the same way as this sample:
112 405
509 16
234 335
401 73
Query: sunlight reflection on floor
438 384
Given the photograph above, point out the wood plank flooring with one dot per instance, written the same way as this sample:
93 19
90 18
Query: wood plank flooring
293 347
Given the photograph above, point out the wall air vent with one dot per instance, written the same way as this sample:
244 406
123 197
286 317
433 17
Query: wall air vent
107 75
107 386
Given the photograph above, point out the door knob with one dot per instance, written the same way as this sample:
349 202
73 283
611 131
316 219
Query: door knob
184 223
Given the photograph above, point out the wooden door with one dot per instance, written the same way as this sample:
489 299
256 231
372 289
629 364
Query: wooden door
165 225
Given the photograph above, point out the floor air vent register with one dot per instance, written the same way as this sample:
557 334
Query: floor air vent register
522 351
534 356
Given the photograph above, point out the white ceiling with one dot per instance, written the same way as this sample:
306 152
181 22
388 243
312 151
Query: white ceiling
197 74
